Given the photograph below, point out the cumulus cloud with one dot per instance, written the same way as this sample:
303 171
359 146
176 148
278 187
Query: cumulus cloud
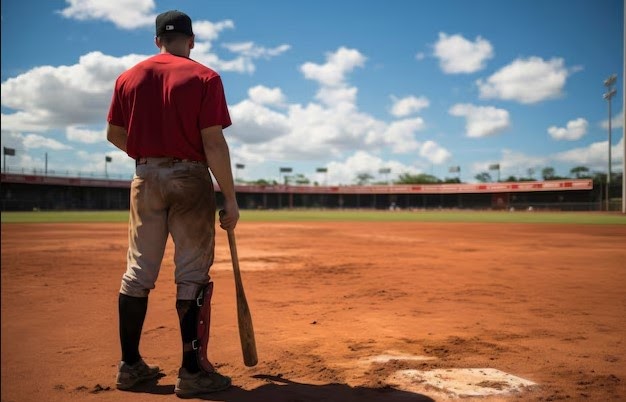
527 81
317 131
135 14
255 123
616 122
459 55
346 171
78 134
405 106
331 126
209 31
337 97
125 14
574 130
434 152
251 50
512 163
266 96
400 135
244 62
338 64
481 121
50 97
55 97
594 155
31 141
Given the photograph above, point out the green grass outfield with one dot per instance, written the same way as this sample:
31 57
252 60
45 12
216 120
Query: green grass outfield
313 215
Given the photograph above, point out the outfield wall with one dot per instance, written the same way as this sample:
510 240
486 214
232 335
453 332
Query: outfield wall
32 192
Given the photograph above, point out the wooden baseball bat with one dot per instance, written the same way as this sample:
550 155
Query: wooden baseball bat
246 331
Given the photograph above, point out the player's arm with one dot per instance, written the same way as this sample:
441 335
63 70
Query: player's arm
218 158
117 136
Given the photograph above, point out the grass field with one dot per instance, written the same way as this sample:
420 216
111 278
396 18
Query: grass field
592 218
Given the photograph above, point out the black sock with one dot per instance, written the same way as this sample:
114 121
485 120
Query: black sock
188 312
132 313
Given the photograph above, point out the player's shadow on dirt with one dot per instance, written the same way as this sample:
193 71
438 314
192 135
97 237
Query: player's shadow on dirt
279 389
153 387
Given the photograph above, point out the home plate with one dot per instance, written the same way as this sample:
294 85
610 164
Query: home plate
461 382
392 355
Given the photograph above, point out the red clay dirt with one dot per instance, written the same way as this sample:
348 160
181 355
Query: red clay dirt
542 302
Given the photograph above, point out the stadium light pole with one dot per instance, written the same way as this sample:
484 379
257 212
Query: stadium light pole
7 151
284 170
386 172
608 83
495 166
455 169
237 167
107 159
325 171
624 121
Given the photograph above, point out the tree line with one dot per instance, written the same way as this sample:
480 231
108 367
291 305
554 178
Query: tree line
361 179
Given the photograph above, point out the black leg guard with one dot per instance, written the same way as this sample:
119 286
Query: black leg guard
188 317
195 321
132 313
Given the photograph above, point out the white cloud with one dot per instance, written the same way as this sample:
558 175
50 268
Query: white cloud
134 14
512 163
594 156
328 128
125 14
256 123
251 50
35 141
49 97
74 133
337 96
337 65
334 91
400 135
210 31
55 97
434 152
346 171
459 55
526 81
481 121
266 96
242 63
93 162
408 105
517 163
360 161
318 131
574 130
616 122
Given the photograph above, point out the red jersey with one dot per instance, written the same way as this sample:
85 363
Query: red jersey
163 102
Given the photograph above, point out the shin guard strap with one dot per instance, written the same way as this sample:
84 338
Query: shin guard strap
200 344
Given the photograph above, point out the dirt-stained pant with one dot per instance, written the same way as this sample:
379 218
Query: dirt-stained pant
177 199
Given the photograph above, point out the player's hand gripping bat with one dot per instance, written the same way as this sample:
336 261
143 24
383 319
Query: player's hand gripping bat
246 331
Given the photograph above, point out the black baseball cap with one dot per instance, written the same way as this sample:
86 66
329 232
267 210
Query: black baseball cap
173 21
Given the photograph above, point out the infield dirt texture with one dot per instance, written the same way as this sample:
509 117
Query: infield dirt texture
339 309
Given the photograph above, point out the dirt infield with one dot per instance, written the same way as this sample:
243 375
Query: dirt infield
342 312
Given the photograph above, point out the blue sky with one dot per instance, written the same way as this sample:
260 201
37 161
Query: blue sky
352 86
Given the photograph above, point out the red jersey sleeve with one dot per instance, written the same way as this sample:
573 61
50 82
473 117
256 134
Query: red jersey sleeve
214 110
116 115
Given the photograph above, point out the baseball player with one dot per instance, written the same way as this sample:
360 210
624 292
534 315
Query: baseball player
168 113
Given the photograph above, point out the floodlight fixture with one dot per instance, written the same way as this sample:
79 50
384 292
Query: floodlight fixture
609 82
